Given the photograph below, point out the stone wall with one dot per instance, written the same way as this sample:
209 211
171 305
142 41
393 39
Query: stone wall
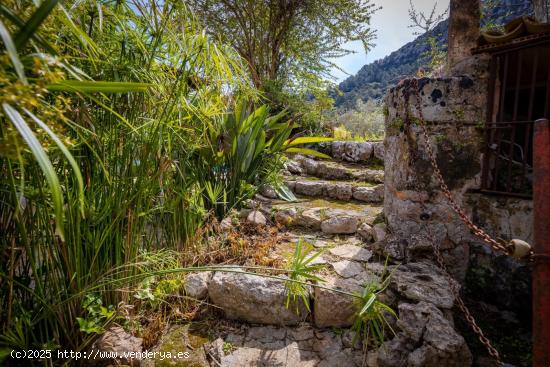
454 109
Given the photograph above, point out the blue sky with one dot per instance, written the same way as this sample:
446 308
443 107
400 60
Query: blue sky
391 23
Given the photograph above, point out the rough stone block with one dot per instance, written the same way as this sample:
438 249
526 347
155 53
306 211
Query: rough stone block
334 309
196 284
339 191
254 299
310 187
340 225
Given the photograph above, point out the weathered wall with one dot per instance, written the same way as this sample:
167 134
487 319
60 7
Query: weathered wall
497 286
454 110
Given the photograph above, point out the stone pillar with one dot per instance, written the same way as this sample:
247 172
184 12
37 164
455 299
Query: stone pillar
451 107
464 23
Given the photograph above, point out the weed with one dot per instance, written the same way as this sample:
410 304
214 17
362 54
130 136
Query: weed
300 269
370 318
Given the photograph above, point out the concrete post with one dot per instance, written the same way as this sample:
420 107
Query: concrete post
464 23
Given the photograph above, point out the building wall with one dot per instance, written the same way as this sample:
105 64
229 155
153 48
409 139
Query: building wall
454 109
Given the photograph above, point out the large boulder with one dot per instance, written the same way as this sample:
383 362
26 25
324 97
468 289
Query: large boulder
427 339
424 282
254 299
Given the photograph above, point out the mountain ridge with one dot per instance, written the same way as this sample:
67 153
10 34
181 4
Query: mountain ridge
373 80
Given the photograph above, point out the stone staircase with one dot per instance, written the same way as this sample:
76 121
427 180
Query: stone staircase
339 212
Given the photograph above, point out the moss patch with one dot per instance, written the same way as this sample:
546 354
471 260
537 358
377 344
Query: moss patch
457 162
187 338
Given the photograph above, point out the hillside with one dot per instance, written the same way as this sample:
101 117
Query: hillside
373 80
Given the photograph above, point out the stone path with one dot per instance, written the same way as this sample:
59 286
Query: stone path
339 211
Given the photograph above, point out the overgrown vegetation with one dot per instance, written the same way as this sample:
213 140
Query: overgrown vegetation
122 128
289 46
301 269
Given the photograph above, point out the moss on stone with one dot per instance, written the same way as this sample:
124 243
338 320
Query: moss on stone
457 162
188 338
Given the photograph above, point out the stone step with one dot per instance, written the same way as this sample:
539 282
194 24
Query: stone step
418 292
339 190
327 216
332 170
257 328
299 346
357 151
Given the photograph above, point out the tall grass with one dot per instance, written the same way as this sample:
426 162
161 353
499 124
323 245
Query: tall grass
115 183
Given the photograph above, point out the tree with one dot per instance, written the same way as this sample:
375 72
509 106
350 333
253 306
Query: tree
540 10
425 24
287 40
464 24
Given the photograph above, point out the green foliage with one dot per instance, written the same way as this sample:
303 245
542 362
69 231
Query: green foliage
307 101
100 110
287 41
290 47
370 318
364 122
96 315
301 270
436 55
242 149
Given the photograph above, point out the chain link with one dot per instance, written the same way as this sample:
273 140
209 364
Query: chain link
498 245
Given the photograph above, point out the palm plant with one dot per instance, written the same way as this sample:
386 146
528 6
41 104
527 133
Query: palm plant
301 270
240 146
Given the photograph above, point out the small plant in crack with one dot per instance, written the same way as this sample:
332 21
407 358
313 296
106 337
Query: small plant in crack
371 316
227 348
301 270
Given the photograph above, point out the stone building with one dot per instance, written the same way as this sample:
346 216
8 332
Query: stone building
479 123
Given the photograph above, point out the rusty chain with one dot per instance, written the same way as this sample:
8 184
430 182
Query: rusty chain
498 245
495 244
